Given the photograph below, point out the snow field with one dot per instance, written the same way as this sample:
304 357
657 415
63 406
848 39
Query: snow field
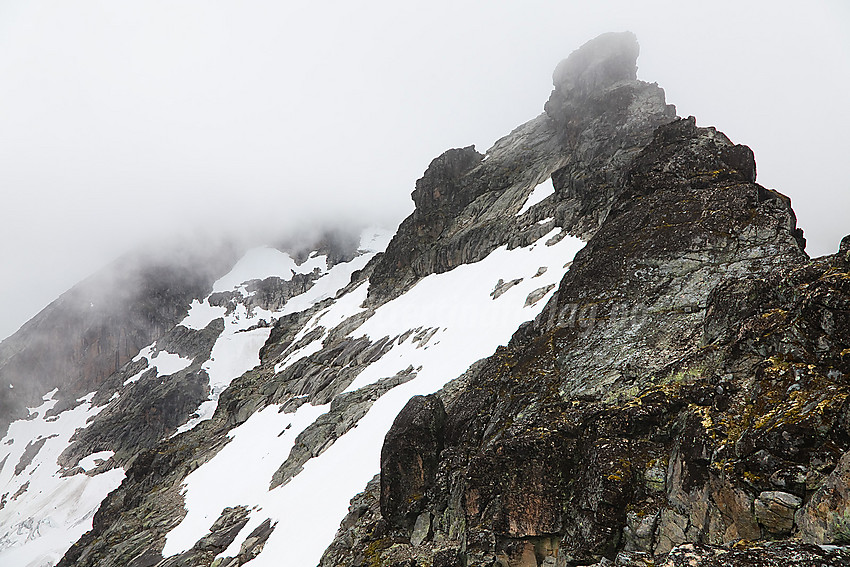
240 473
51 512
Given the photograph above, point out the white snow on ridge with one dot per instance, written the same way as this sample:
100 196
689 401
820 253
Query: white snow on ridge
51 512
166 363
202 314
470 325
265 262
240 473
237 348
234 353
42 513
539 193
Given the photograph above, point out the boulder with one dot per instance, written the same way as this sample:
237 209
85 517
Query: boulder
775 511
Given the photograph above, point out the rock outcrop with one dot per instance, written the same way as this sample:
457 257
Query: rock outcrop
409 459
598 118
681 400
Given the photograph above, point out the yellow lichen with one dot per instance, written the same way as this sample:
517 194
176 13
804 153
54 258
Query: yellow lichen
374 549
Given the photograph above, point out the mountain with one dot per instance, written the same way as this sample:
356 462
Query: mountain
600 342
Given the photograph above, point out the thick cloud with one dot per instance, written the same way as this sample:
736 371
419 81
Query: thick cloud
125 121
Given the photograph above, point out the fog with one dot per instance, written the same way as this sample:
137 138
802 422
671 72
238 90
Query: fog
126 123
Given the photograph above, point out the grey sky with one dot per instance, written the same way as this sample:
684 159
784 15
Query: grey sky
122 121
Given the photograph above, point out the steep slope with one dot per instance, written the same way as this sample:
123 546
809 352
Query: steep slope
687 384
597 119
597 341
491 242
98 326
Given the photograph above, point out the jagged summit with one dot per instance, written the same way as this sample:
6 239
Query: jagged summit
599 342
596 65
598 117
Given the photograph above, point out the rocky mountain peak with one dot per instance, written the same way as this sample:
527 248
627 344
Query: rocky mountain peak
597 119
600 343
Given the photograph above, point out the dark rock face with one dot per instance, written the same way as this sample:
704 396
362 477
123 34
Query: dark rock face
726 437
682 397
152 408
409 459
597 120
757 555
441 193
113 534
30 452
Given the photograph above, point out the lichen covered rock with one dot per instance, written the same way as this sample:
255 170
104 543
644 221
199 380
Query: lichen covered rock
681 400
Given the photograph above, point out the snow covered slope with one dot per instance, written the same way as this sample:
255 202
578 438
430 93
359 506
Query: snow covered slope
47 502
430 334
441 326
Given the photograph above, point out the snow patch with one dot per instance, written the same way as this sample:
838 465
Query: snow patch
265 262
234 353
202 314
165 363
539 193
459 302
168 363
52 511
263 440
95 459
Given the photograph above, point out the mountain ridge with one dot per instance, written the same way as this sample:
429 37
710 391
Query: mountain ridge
613 345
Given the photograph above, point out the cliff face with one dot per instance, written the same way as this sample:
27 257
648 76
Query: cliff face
599 341
686 384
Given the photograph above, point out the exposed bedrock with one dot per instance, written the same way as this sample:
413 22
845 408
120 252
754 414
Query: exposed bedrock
683 392
598 118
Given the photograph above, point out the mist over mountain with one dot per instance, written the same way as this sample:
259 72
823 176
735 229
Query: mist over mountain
126 121
598 342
